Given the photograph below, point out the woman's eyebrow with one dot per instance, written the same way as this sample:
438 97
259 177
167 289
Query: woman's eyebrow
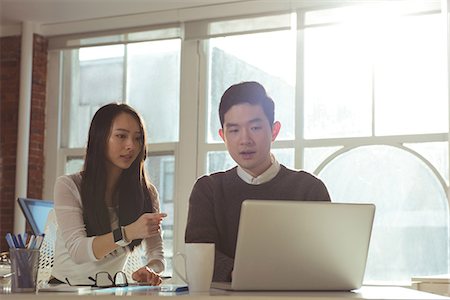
122 130
126 130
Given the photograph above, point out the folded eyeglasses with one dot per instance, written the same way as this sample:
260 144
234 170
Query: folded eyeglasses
105 280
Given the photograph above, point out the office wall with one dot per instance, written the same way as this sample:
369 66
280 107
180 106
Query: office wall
9 110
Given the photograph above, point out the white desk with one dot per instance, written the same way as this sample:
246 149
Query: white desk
437 284
367 292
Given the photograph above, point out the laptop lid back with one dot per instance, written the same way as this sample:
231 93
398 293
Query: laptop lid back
300 245
36 213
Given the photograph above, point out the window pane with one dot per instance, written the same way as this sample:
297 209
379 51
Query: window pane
219 161
349 65
285 157
161 170
409 77
436 153
313 157
411 229
368 10
97 77
338 82
251 58
153 81
266 23
73 165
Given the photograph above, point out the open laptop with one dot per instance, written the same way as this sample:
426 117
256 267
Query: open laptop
301 245
36 212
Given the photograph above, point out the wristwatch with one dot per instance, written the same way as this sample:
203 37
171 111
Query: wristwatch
119 237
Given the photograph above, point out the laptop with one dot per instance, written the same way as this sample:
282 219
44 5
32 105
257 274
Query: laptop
301 245
35 212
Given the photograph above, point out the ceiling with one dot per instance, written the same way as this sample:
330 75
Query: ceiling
56 17
13 12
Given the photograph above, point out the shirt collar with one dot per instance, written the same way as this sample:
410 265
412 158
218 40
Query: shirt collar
268 174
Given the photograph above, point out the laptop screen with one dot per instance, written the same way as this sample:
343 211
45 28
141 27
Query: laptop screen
36 212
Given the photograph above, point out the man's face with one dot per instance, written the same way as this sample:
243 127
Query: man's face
248 136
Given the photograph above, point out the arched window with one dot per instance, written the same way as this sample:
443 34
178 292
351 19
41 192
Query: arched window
411 228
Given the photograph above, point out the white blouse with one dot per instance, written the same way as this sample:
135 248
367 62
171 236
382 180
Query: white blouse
74 256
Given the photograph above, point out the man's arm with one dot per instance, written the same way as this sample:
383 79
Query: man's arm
201 226
223 266
318 191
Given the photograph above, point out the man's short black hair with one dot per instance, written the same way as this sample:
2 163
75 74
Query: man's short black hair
250 92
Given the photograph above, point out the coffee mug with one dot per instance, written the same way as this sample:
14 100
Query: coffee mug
199 266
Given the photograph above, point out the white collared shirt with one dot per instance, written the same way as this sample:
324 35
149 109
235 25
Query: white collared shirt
268 174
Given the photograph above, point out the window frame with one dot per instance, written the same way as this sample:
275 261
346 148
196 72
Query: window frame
192 148
299 142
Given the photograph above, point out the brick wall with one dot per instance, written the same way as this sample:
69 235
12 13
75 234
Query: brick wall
9 109
37 122
9 106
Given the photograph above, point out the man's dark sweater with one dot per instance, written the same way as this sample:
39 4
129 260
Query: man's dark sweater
215 206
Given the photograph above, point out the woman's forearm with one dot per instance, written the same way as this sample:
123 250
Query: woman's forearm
103 245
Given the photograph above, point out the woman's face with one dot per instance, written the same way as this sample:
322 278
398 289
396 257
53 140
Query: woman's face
124 143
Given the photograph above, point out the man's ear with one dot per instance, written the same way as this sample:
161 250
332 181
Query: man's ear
275 130
221 134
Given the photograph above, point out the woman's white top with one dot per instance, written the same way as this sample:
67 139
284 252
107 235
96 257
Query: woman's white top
74 256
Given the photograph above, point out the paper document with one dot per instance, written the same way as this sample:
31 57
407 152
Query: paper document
65 288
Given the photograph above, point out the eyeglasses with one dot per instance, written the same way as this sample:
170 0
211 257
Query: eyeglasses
105 280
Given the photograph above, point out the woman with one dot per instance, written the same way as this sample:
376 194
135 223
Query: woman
109 208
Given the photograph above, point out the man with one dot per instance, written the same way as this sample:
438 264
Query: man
248 130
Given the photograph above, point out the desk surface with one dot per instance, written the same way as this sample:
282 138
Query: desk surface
366 292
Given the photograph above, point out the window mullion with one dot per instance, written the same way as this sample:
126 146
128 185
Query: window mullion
300 92
125 75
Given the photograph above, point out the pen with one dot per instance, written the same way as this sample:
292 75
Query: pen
39 241
9 240
15 242
20 241
31 242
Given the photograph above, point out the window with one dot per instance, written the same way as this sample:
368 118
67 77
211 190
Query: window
411 209
161 169
154 87
145 75
96 79
360 91
372 73
248 57
363 105
126 73
385 96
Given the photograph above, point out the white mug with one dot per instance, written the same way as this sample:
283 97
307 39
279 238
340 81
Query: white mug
199 266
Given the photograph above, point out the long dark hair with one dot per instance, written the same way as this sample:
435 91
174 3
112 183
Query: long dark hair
135 194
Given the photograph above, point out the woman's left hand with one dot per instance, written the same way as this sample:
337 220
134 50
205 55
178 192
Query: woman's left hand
145 274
